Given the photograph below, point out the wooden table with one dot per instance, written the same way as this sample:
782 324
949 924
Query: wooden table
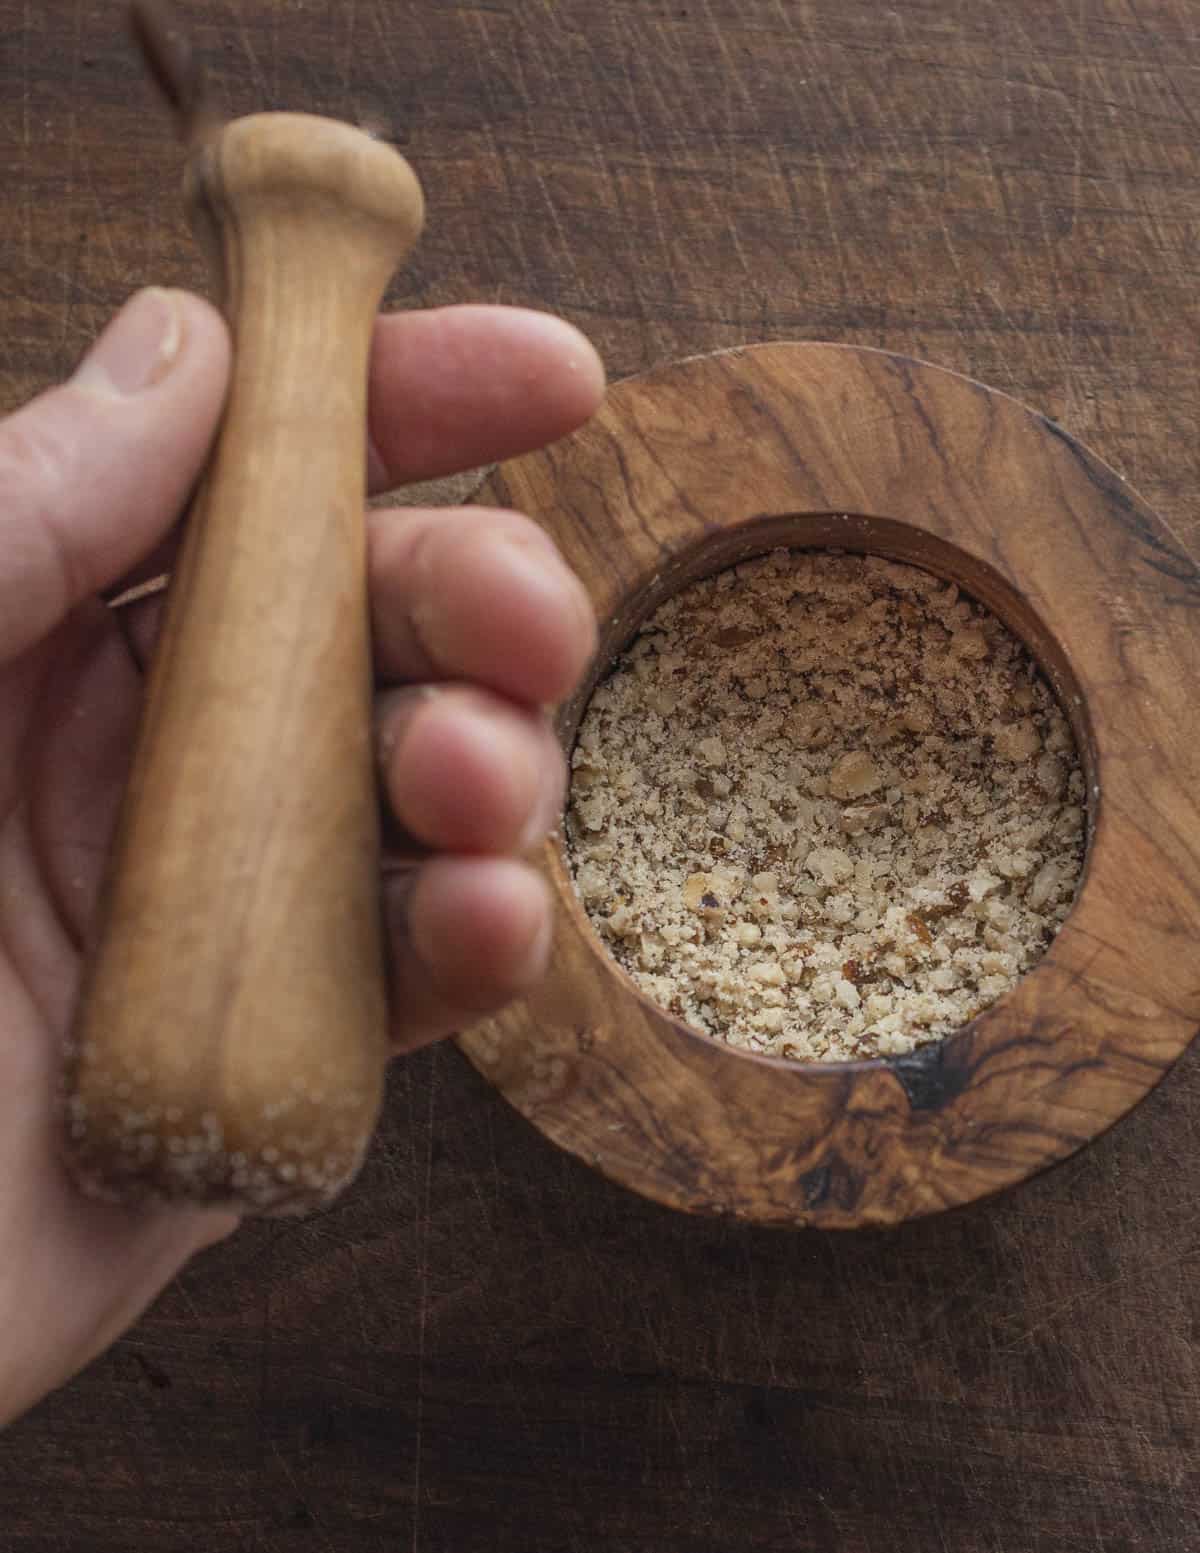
485 1348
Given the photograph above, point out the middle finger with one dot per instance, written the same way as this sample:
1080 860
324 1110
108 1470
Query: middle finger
476 594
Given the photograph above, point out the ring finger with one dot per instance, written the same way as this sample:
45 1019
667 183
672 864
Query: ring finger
468 771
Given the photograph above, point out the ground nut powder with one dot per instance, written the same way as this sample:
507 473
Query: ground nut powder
825 807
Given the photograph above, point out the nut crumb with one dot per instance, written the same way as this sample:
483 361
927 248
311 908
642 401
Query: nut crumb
825 807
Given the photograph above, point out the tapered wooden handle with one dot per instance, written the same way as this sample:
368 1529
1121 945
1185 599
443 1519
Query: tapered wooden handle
230 1040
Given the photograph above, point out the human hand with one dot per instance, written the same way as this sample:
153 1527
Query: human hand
478 603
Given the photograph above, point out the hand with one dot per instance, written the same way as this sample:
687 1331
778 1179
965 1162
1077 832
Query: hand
478 603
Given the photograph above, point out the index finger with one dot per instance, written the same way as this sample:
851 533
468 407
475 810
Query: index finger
456 387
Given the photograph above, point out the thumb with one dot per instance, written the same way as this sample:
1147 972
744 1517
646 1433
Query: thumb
94 472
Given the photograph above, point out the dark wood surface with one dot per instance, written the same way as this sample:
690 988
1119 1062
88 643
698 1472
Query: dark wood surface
486 1348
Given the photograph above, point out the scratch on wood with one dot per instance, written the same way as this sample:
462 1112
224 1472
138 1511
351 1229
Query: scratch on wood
567 255
26 181
349 14
258 75
1096 1292
305 1504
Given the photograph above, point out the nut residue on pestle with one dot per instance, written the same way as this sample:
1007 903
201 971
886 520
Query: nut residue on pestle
825 807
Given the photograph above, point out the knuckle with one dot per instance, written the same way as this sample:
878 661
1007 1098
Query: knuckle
34 461
37 457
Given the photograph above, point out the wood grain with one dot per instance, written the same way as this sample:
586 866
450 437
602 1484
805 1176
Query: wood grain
694 467
487 1348
232 1030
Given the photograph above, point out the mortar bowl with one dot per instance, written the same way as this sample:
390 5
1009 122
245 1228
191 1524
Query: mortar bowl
702 464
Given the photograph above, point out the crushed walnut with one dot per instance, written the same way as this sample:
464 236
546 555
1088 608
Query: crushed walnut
825 807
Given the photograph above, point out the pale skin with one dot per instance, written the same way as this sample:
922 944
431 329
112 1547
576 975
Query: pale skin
478 626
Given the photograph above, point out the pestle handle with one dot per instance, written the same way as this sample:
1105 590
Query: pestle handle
230 1041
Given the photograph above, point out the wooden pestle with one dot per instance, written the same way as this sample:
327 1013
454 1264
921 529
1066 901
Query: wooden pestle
230 1041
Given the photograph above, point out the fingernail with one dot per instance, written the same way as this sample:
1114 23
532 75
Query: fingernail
137 349
536 561
537 955
534 549
377 471
394 712
547 812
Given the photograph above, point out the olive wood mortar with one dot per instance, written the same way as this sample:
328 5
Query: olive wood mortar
695 467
